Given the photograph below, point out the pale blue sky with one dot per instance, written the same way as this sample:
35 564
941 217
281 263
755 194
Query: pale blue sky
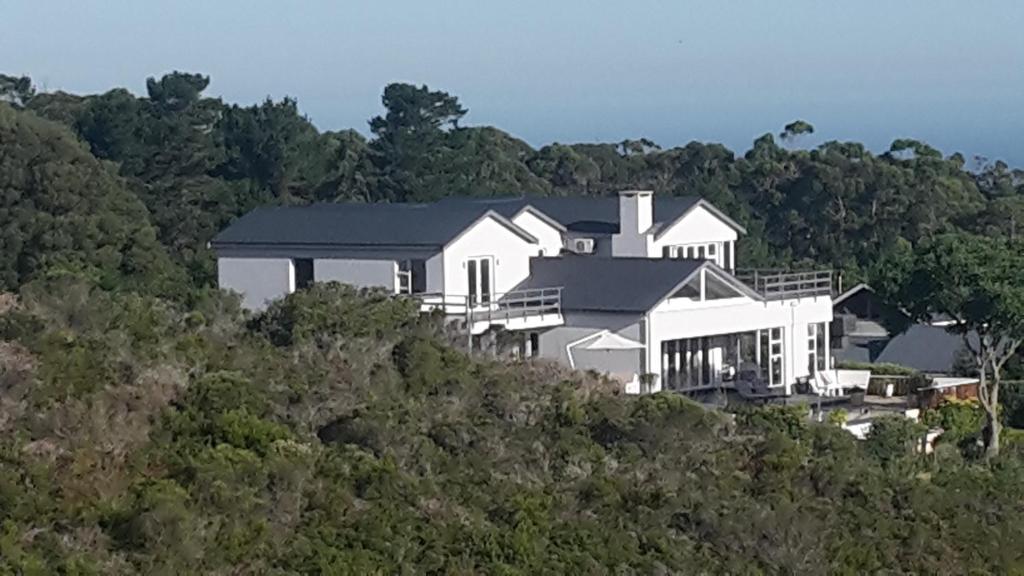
948 72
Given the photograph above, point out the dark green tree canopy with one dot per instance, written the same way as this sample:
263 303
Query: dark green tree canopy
61 210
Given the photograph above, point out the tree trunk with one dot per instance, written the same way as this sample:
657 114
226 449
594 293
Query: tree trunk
995 427
992 432
988 393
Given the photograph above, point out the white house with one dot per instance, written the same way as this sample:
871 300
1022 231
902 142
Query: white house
641 288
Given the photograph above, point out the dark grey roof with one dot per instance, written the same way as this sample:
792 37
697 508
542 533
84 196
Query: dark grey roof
610 284
590 215
930 349
349 224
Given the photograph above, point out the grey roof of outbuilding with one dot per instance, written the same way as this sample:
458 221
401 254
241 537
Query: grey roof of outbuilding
350 224
930 349
584 214
592 283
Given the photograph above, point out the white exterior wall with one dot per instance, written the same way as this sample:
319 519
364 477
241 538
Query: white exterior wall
550 238
632 246
358 273
636 216
511 253
676 319
258 280
435 273
699 226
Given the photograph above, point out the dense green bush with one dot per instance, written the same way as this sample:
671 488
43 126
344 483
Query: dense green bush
196 441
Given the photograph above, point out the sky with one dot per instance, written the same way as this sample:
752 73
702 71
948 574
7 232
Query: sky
948 72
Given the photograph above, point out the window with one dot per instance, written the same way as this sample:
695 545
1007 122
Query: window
815 347
716 289
412 276
534 345
691 362
478 272
712 251
303 273
775 376
690 290
705 361
770 355
404 277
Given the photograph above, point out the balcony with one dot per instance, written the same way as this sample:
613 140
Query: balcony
516 310
775 284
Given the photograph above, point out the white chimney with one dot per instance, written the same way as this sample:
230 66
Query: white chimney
636 211
636 216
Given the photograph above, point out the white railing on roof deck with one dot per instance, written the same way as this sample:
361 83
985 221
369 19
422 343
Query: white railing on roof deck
782 285
534 302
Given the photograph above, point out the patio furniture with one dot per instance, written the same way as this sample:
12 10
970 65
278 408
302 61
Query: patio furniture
750 386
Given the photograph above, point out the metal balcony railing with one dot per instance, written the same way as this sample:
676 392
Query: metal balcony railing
534 302
784 285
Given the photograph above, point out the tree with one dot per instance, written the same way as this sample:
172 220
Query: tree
62 210
16 90
177 90
977 282
411 136
795 129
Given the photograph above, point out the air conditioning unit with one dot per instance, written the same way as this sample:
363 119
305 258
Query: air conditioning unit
581 245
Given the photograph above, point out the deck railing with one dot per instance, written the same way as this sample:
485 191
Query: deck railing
534 302
782 285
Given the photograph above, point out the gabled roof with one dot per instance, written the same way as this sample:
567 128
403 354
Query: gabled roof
666 226
930 349
851 292
593 283
594 215
540 216
350 224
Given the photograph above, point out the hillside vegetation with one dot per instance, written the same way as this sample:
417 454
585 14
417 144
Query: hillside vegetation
336 434
150 426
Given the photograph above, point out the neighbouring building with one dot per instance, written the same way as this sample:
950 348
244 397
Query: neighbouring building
645 289
861 333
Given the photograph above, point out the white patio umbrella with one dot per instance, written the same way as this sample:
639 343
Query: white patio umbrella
603 340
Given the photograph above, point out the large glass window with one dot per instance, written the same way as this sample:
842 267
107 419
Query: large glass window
696 362
715 288
690 290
